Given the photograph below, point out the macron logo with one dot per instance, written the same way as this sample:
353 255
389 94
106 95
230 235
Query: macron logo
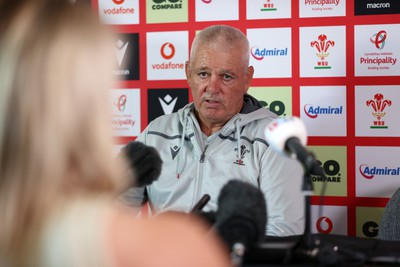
120 51
168 104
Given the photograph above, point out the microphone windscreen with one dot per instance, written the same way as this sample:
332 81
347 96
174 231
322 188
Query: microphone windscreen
144 161
241 215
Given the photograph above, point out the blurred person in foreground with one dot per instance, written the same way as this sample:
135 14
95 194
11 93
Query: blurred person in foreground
219 137
58 175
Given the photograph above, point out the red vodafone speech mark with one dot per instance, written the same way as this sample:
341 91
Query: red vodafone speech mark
118 2
171 54
324 225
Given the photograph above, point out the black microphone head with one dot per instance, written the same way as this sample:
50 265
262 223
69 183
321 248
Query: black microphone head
242 214
144 161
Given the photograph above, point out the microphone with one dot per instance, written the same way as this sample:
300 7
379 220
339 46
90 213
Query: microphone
241 217
144 161
288 136
201 203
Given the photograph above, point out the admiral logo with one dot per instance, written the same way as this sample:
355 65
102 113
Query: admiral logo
127 57
259 54
313 112
322 45
321 4
167 52
372 7
332 171
370 229
324 225
378 104
268 6
243 152
369 173
166 101
167 4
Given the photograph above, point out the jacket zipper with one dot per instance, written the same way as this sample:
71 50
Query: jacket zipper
203 155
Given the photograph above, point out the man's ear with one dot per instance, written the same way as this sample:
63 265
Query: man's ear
187 71
249 76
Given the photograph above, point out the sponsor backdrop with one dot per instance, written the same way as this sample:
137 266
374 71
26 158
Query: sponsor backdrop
333 63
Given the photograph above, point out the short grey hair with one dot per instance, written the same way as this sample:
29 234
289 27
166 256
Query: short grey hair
230 36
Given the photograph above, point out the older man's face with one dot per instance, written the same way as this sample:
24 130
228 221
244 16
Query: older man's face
218 78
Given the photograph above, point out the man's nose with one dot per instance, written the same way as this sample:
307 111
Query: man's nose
213 84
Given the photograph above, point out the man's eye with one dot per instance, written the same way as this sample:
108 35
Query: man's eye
227 77
203 74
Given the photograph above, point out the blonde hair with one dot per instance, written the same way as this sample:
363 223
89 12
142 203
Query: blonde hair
55 136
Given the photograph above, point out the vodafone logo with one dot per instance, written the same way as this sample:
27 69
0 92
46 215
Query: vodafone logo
206 1
167 51
118 2
324 225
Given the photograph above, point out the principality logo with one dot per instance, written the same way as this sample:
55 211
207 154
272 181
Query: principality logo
378 39
324 225
120 103
268 6
243 151
313 112
259 54
165 53
378 105
369 173
322 45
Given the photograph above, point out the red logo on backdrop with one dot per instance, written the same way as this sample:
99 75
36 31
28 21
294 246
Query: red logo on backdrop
378 105
206 1
324 225
121 103
167 54
364 170
268 6
322 45
254 51
118 2
378 39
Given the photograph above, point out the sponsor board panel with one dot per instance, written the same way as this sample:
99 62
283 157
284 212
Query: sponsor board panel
323 110
217 10
329 219
323 51
322 8
377 50
334 163
125 118
376 7
167 53
377 110
164 11
166 101
368 220
270 52
119 12
377 171
276 99
268 9
127 57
